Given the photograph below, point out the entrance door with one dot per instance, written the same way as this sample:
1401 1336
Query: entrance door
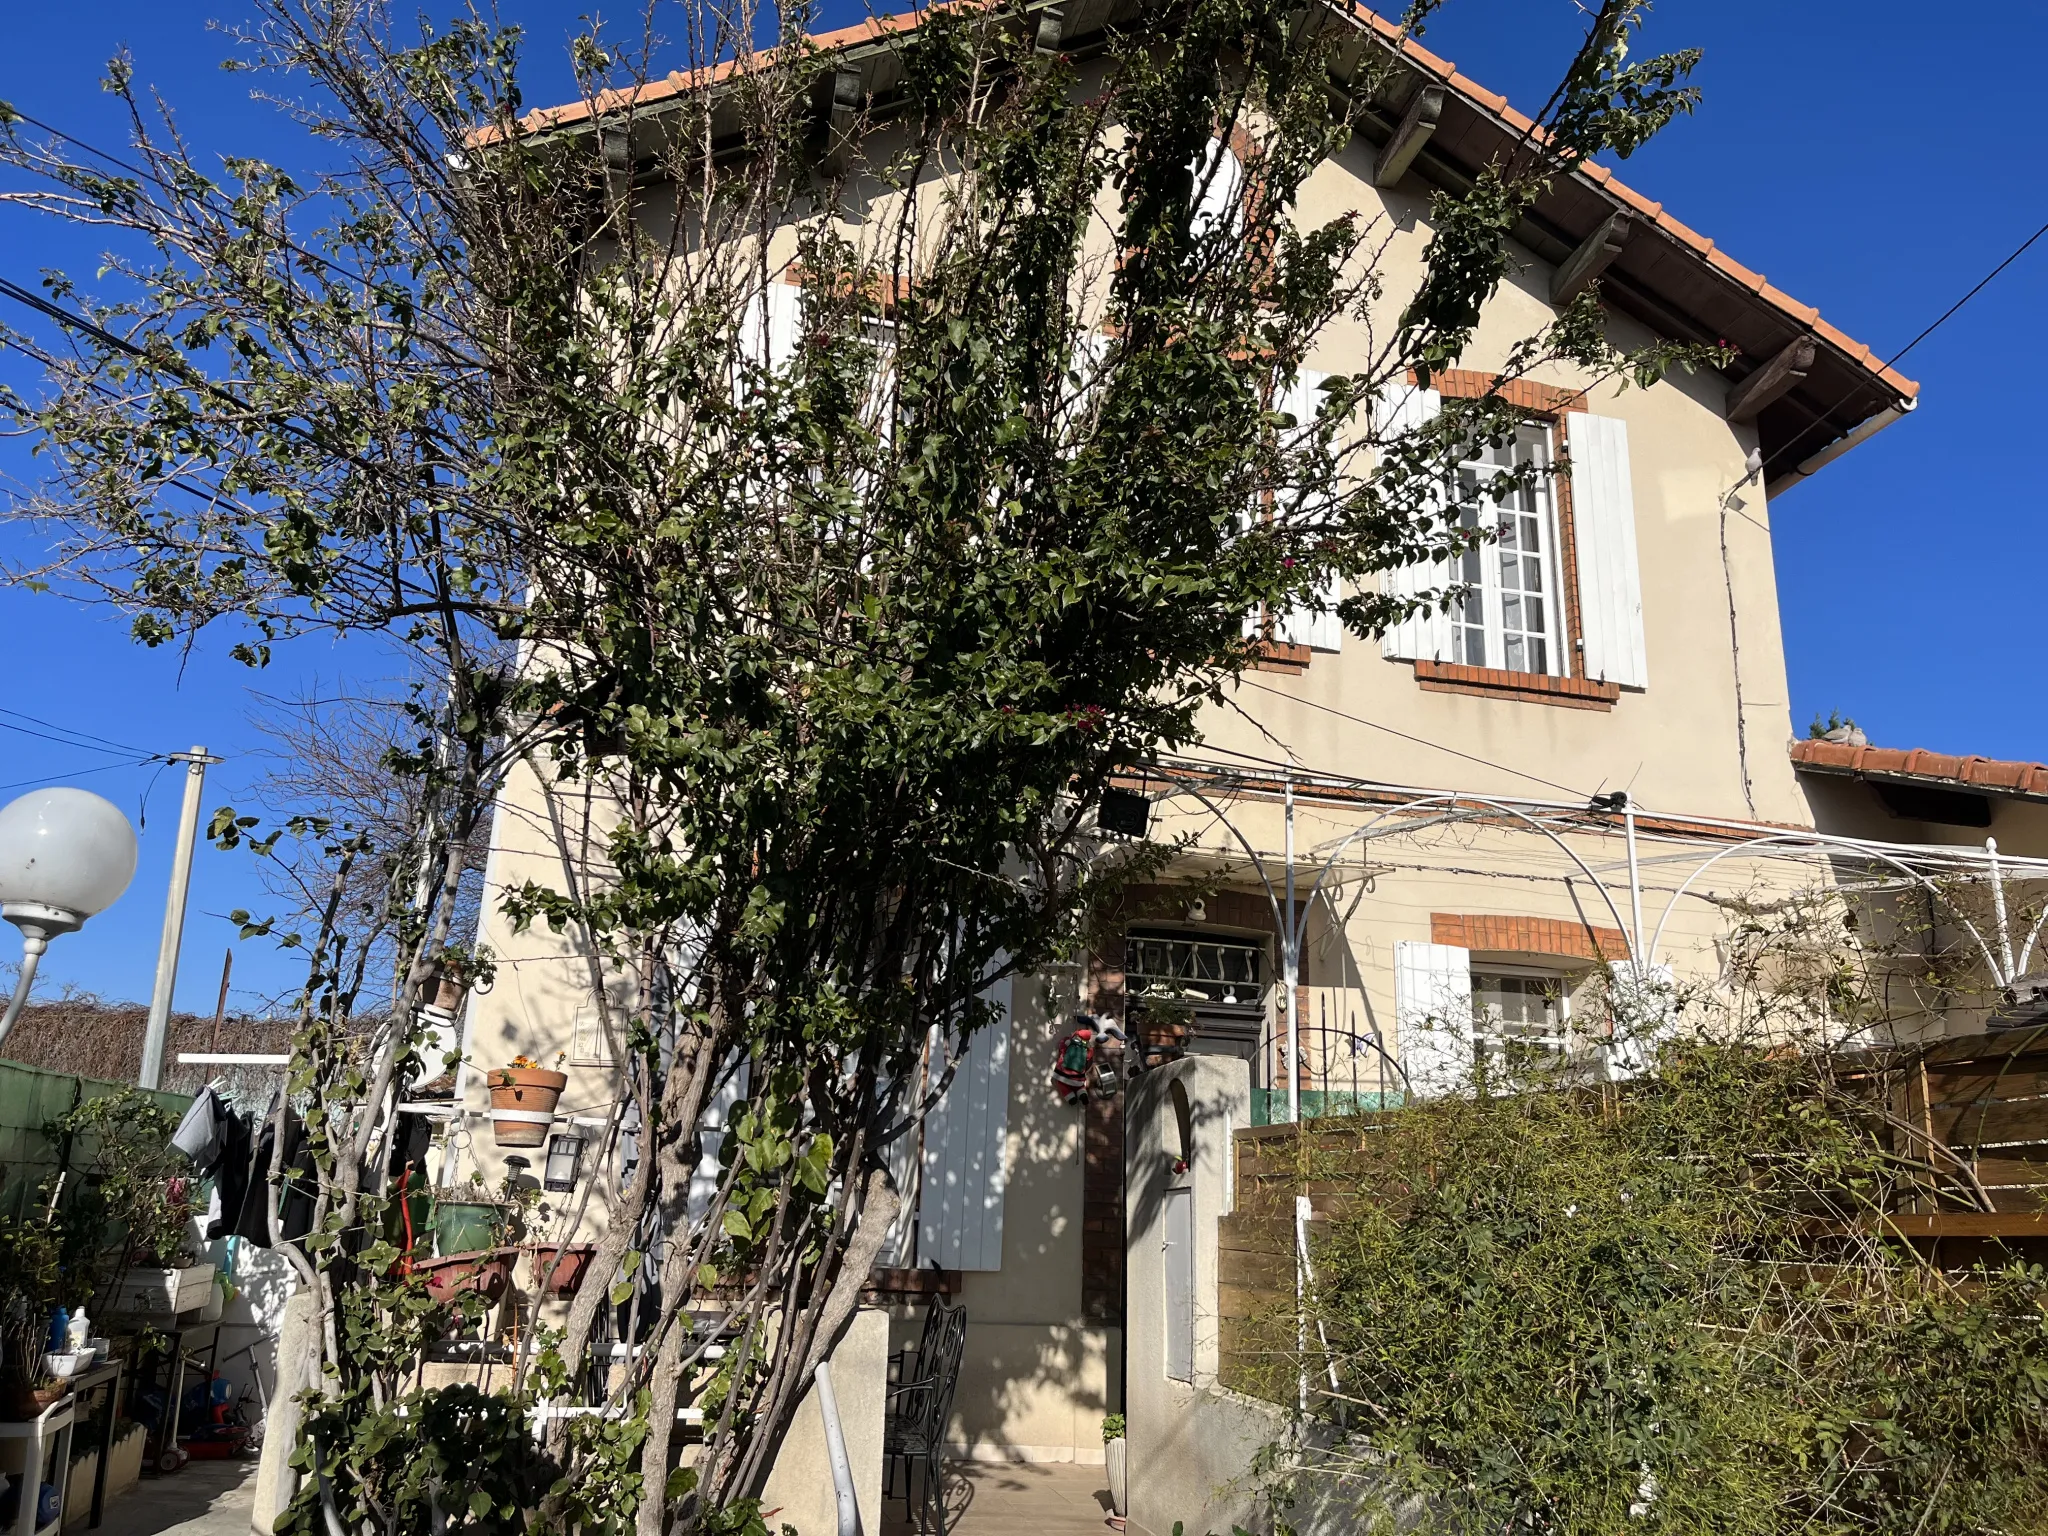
1178 1250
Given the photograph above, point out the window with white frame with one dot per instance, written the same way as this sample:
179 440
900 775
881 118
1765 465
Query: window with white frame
1511 617
1519 1015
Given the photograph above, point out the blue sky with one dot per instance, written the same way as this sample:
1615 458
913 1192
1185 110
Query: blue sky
1868 163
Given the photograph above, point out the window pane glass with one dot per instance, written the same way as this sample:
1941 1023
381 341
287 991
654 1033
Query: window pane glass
1511 620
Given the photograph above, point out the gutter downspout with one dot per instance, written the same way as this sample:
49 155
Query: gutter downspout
835 1451
1862 434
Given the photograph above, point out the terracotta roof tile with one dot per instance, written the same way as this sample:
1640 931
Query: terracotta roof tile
1940 768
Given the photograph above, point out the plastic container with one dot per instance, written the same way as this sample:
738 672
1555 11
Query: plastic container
462 1226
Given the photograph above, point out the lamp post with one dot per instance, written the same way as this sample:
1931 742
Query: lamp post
65 854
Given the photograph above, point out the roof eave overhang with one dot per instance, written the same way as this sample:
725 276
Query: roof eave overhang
1665 276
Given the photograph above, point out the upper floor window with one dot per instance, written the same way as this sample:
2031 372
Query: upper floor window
1510 617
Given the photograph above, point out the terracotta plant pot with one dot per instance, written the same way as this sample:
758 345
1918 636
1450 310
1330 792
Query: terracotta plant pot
487 1272
20 1402
449 992
524 1091
567 1275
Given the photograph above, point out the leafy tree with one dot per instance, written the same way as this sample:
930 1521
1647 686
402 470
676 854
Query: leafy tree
845 625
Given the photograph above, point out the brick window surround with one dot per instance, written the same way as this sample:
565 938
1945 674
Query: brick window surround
1528 936
1548 404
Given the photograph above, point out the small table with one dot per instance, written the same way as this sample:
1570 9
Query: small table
51 1428
108 1376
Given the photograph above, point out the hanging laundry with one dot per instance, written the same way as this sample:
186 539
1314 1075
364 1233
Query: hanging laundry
200 1134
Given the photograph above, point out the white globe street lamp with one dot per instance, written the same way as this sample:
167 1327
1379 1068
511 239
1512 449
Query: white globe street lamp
64 855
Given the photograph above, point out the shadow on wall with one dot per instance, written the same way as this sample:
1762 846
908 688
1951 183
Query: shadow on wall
1040 1372
1192 1123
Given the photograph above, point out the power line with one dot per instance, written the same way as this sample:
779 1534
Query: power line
1959 303
64 741
1419 741
51 778
177 365
84 738
1940 320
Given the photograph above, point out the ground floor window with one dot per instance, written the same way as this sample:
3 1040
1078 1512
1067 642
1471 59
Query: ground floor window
1520 1016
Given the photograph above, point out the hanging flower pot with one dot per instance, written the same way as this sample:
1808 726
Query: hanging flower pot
560 1270
488 1273
523 1100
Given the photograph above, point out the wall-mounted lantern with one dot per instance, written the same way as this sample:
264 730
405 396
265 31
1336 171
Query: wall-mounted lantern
565 1161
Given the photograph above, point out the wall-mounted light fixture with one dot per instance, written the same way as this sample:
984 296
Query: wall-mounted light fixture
565 1161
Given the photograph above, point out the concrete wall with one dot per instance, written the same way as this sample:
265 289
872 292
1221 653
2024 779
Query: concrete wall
1191 1443
800 1490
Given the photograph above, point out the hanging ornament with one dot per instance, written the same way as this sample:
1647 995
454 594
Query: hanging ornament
1081 1068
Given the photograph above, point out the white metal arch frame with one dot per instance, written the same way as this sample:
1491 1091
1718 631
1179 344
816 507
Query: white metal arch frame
1291 922
1290 918
1822 840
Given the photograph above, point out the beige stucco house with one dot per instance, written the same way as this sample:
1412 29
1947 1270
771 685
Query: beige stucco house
1482 813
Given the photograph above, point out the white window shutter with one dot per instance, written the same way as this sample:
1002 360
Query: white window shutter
899 1100
960 1207
1604 524
1082 387
1423 636
1219 190
769 328
1433 1016
1302 625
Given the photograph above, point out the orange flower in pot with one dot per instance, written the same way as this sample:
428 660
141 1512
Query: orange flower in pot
523 1099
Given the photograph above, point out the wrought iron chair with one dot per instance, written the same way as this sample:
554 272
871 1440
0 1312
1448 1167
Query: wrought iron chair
919 1406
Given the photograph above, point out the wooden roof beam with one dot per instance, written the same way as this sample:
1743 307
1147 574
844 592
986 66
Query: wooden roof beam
1594 255
1749 397
1399 152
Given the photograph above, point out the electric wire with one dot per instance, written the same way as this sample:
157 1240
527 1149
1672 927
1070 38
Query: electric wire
86 739
79 773
1420 741
1800 437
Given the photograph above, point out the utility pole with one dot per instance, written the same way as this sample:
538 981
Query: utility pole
195 763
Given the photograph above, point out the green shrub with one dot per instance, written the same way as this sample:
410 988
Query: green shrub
1666 1307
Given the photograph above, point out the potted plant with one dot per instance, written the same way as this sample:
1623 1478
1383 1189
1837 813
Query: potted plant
523 1098
1116 1455
29 1284
461 970
123 1214
560 1270
487 1273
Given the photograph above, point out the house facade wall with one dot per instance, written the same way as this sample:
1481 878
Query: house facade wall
1043 1364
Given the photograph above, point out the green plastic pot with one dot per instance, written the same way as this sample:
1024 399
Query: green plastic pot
462 1226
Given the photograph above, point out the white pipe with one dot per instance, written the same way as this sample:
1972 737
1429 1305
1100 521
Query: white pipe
835 1451
1998 906
1290 953
1635 884
153 1037
32 946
